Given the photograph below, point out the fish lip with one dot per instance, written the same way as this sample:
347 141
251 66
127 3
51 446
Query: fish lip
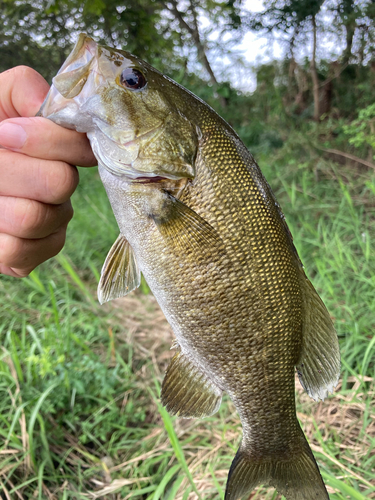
83 45
85 48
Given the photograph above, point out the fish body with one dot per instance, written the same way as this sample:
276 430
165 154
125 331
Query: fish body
199 220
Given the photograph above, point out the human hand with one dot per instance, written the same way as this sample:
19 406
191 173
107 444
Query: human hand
37 176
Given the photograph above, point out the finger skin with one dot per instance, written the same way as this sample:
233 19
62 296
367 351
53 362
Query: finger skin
31 219
22 92
36 174
18 256
45 139
37 179
8 271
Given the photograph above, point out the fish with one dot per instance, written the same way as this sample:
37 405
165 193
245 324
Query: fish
198 219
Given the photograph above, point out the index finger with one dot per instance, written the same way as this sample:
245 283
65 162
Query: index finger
41 138
22 92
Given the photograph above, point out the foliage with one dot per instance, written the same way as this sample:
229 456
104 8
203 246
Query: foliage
40 34
80 382
31 29
361 131
79 412
286 15
185 40
354 21
224 18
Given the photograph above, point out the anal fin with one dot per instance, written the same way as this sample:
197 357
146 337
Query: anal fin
318 367
120 273
187 391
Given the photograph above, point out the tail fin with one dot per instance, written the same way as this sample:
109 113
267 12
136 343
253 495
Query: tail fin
297 478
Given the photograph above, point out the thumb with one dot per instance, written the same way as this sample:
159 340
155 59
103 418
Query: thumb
22 92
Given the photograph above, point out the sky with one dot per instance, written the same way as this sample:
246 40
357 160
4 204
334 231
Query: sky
254 48
257 49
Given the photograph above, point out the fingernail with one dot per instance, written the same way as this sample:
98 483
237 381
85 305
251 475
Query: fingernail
12 136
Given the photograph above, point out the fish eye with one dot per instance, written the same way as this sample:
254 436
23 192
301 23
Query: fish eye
132 79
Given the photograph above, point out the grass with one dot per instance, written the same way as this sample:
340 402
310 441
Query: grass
79 410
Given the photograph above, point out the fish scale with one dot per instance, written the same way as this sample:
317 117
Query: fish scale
199 220
261 259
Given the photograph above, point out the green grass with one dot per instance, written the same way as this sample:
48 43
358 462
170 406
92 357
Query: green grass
79 414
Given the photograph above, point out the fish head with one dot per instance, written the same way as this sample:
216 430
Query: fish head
134 116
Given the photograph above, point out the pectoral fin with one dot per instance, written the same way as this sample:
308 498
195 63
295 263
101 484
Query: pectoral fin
184 227
319 365
120 273
187 391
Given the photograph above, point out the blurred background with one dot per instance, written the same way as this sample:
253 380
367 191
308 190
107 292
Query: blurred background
79 410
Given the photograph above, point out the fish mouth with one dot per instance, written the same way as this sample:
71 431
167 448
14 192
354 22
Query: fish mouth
83 51
75 102
64 97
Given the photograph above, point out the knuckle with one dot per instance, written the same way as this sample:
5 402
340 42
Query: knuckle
14 272
62 215
58 242
69 212
31 216
10 249
61 182
23 273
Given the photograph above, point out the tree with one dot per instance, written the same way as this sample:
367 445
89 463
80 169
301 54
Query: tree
42 37
296 19
355 21
225 16
163 32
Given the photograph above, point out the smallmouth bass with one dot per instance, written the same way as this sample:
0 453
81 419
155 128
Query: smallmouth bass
199 220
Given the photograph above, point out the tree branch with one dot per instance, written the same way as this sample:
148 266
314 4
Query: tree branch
194 33
314 74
